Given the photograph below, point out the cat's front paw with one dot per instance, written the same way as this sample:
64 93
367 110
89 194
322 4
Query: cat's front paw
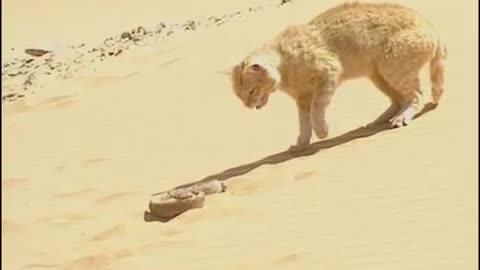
321 129
303 141
297 148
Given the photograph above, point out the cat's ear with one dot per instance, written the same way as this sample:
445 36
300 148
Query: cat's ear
254 72
254 69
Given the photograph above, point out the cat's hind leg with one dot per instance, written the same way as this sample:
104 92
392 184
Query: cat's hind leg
393 95
412 102
406 53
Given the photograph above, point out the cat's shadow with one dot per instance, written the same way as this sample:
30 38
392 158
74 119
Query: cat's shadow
352 135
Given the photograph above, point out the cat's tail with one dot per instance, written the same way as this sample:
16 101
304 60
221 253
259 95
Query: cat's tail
437 71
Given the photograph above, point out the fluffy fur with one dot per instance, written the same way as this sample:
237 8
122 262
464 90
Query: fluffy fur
386 43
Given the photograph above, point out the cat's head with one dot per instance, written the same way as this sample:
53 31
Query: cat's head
254 80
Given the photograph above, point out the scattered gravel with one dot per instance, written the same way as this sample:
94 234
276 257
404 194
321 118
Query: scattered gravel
21 75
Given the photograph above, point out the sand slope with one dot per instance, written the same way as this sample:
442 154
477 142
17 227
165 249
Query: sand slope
81 157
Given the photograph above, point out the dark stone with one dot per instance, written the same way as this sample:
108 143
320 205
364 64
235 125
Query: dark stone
126 35
36 52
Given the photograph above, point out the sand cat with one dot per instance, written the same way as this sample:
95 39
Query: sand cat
386 43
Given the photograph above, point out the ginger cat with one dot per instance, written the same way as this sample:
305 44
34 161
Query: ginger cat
386 43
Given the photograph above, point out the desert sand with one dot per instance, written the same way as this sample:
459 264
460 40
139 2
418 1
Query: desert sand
82 155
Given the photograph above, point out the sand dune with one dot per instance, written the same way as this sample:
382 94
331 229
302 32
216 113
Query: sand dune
82 156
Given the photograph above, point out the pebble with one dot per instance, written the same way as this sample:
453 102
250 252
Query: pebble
36 52
126 35
190 25
159 28
283 2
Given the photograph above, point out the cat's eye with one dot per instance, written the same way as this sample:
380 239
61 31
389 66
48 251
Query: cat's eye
252 90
